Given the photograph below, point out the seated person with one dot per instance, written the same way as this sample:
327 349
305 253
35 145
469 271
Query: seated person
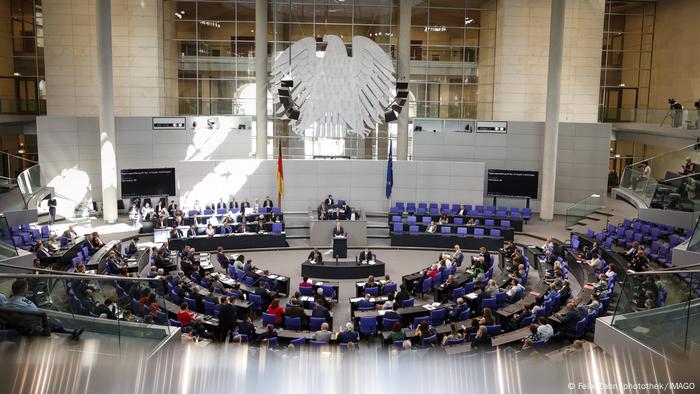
397 333
443 219
516 290
482 341
488 319
192 232
354 215
320 310
175 233
18 300
243 228
432 227
456 333
132 248
348 334
389 303
569 316
315 256
457 309
323 335
370 282
210 230
295 310
594 262
365 302
423 331
517 319
463 211
305 282
275 309
471 222
366 256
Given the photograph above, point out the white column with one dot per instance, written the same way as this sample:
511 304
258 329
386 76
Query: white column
261 79
404 72
108 158
551 125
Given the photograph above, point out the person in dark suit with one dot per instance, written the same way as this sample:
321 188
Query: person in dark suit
245 204
338 231
192 232
52 211
315 256
402 295
221 204
569 317
267 203
247 328
354 215
264 294
365 302
348 334
320 310
221 258
329 201
482 341
517 320
232 204
42 252
227 319
457 310
131 249
366 255
295 310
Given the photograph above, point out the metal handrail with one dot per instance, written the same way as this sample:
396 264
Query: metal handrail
19 157
44 273
659 155
658 272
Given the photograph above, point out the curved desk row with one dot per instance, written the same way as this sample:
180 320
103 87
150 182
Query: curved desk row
466 242
342 270
231 241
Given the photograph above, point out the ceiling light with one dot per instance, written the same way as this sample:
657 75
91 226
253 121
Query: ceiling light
16 74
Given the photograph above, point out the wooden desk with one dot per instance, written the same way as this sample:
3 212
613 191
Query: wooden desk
512 336
458 349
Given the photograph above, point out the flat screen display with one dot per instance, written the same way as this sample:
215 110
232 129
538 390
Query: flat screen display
512 183
148 182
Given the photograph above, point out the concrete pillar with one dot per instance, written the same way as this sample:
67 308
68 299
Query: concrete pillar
404 72
261 79
108 157
551 125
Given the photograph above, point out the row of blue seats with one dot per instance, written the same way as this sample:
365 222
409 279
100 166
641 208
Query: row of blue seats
476 210
223 211
478 232
25 236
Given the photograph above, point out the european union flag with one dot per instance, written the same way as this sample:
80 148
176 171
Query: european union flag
389 174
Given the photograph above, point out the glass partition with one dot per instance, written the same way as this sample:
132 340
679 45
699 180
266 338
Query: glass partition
694 243
7 246
681 119
659 310
98 304
581 209
29 181
671 181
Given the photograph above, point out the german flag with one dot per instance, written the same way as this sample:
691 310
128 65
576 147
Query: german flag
280 177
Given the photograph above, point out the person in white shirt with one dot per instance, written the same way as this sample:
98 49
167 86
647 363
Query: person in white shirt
210 230
389 303
256 205
544 330
594 262
134 214
548 245
432 227
196 206
354 215
146 211
515 289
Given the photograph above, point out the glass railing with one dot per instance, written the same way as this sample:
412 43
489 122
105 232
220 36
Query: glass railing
581 209
683 119
663 317
694 242
642 186
29 182
673 181
7 246
97 303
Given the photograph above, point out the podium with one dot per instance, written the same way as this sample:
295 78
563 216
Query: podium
340 247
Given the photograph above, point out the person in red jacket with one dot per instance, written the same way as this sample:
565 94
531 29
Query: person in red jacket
184 316
276 310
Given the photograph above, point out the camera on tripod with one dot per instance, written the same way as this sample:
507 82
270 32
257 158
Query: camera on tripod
676 105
